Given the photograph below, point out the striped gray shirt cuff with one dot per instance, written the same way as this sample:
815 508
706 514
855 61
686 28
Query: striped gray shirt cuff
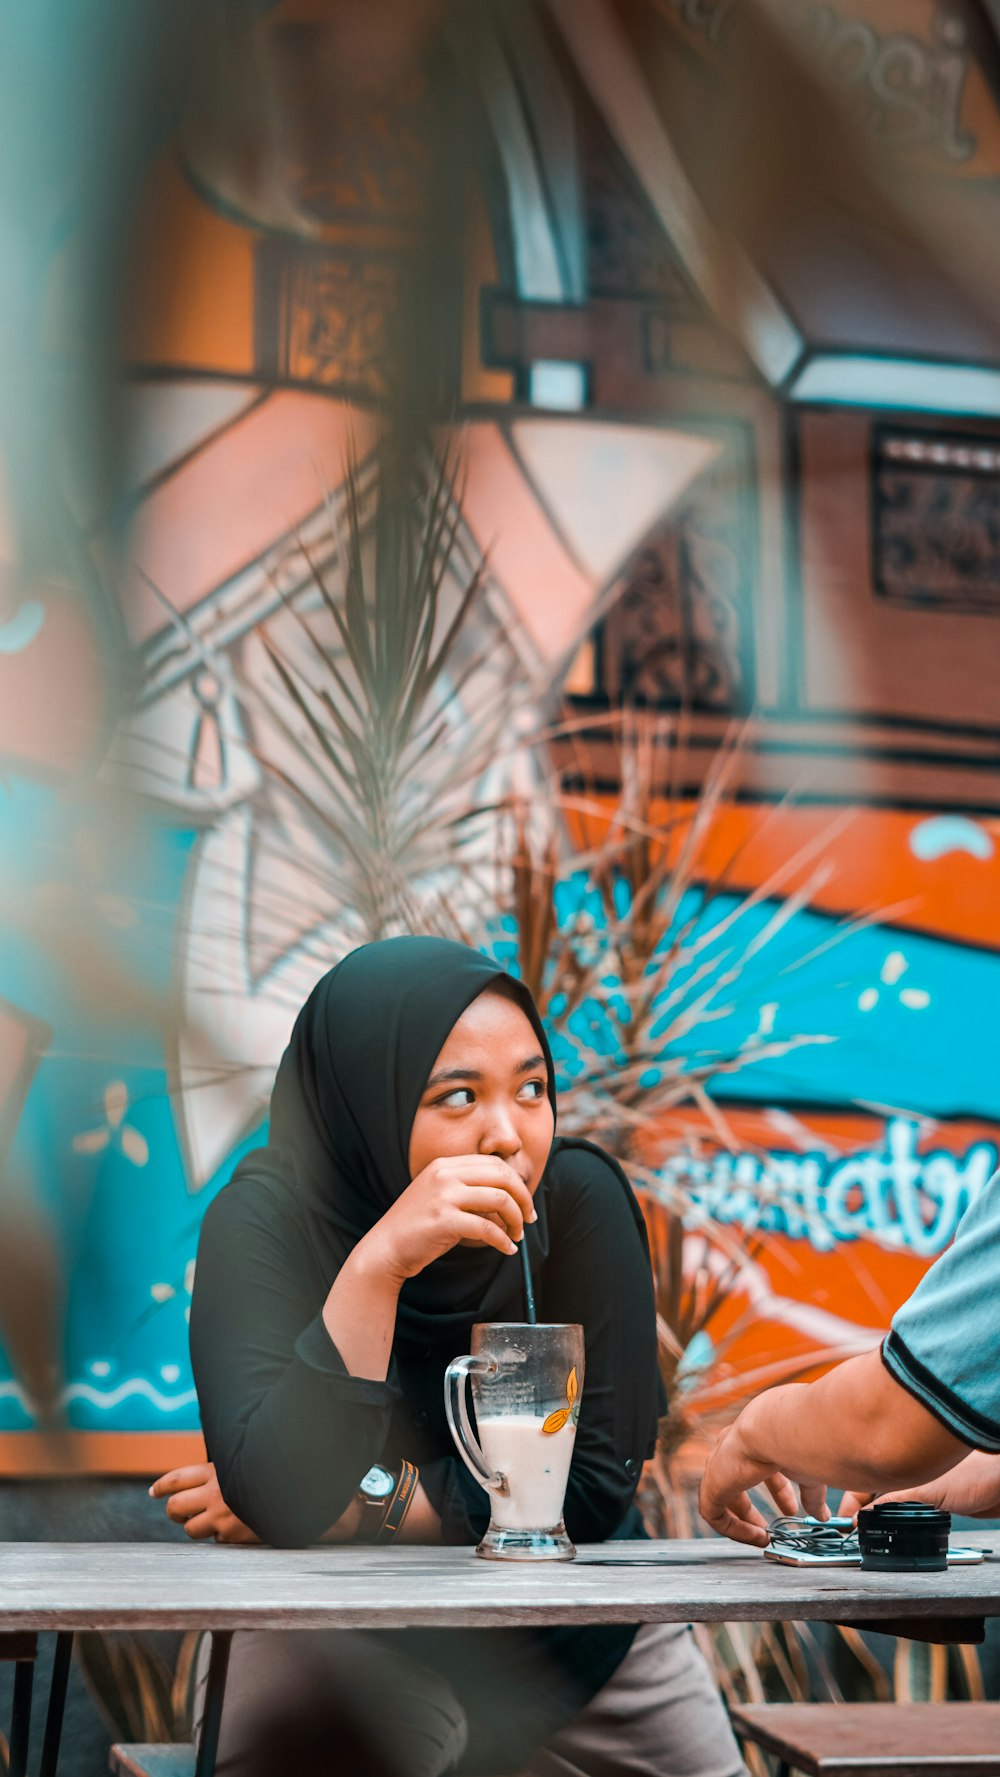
963 1421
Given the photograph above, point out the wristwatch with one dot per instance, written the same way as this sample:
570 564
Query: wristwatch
385 1499
374 1492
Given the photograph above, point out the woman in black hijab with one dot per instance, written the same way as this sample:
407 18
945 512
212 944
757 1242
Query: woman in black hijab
411 1149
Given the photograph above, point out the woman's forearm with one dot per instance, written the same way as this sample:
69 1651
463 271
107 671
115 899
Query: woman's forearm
360 1313
360 1316
421 1524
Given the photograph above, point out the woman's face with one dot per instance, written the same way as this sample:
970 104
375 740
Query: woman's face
486 1093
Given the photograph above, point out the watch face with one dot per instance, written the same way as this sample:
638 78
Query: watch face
377 1483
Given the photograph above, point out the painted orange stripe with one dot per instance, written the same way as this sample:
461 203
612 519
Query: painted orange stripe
64 1454
871 864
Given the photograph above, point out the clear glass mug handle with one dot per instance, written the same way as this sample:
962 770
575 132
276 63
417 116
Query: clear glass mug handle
456 1405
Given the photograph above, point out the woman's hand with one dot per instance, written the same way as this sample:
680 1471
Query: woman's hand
452 1200
470 1199
971 1490
194 1499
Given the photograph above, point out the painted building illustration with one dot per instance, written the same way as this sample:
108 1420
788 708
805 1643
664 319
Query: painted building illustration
776 503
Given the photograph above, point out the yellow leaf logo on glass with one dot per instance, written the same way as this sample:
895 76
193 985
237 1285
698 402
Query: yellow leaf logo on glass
557 1420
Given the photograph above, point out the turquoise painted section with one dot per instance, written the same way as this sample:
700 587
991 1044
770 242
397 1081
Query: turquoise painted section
897 1017
124 1230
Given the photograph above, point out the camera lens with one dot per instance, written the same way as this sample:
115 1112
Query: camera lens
904 1536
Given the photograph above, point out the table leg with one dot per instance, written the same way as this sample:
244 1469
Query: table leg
211 1721
57 1703
20 1725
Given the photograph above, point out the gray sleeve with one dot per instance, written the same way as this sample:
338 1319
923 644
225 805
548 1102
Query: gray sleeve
944 1344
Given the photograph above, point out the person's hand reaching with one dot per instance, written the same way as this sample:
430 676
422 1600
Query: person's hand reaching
732 1470
971 1490
194 1500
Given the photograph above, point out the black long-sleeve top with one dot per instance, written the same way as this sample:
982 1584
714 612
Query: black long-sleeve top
291 1433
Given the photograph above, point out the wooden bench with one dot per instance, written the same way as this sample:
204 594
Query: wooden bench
875 1739
153 1761
815 1739
182 1758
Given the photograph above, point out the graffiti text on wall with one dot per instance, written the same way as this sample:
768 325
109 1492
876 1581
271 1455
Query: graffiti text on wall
895 1195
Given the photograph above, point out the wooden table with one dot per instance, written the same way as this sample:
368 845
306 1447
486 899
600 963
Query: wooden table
70 1586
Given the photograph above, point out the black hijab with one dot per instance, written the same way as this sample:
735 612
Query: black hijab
344 1100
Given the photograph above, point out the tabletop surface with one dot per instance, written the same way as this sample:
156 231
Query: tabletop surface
205 1585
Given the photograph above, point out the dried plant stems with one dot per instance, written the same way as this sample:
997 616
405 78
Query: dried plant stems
388 706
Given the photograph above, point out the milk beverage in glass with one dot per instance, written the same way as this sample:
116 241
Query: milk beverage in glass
536 1467
526 1383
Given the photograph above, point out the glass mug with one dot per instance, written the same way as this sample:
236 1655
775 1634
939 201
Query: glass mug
526 1387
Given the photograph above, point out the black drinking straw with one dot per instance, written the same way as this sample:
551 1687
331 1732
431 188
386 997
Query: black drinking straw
529 1294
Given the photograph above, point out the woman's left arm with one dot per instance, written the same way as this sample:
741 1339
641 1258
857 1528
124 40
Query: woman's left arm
194 1500
598 1273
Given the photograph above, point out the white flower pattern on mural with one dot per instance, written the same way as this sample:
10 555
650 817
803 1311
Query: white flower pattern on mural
116 1132
915 999
165 1292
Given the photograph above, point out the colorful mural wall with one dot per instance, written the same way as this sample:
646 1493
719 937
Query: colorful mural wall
780 500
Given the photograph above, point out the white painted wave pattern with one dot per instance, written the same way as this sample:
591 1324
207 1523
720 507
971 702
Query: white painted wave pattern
107 1398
